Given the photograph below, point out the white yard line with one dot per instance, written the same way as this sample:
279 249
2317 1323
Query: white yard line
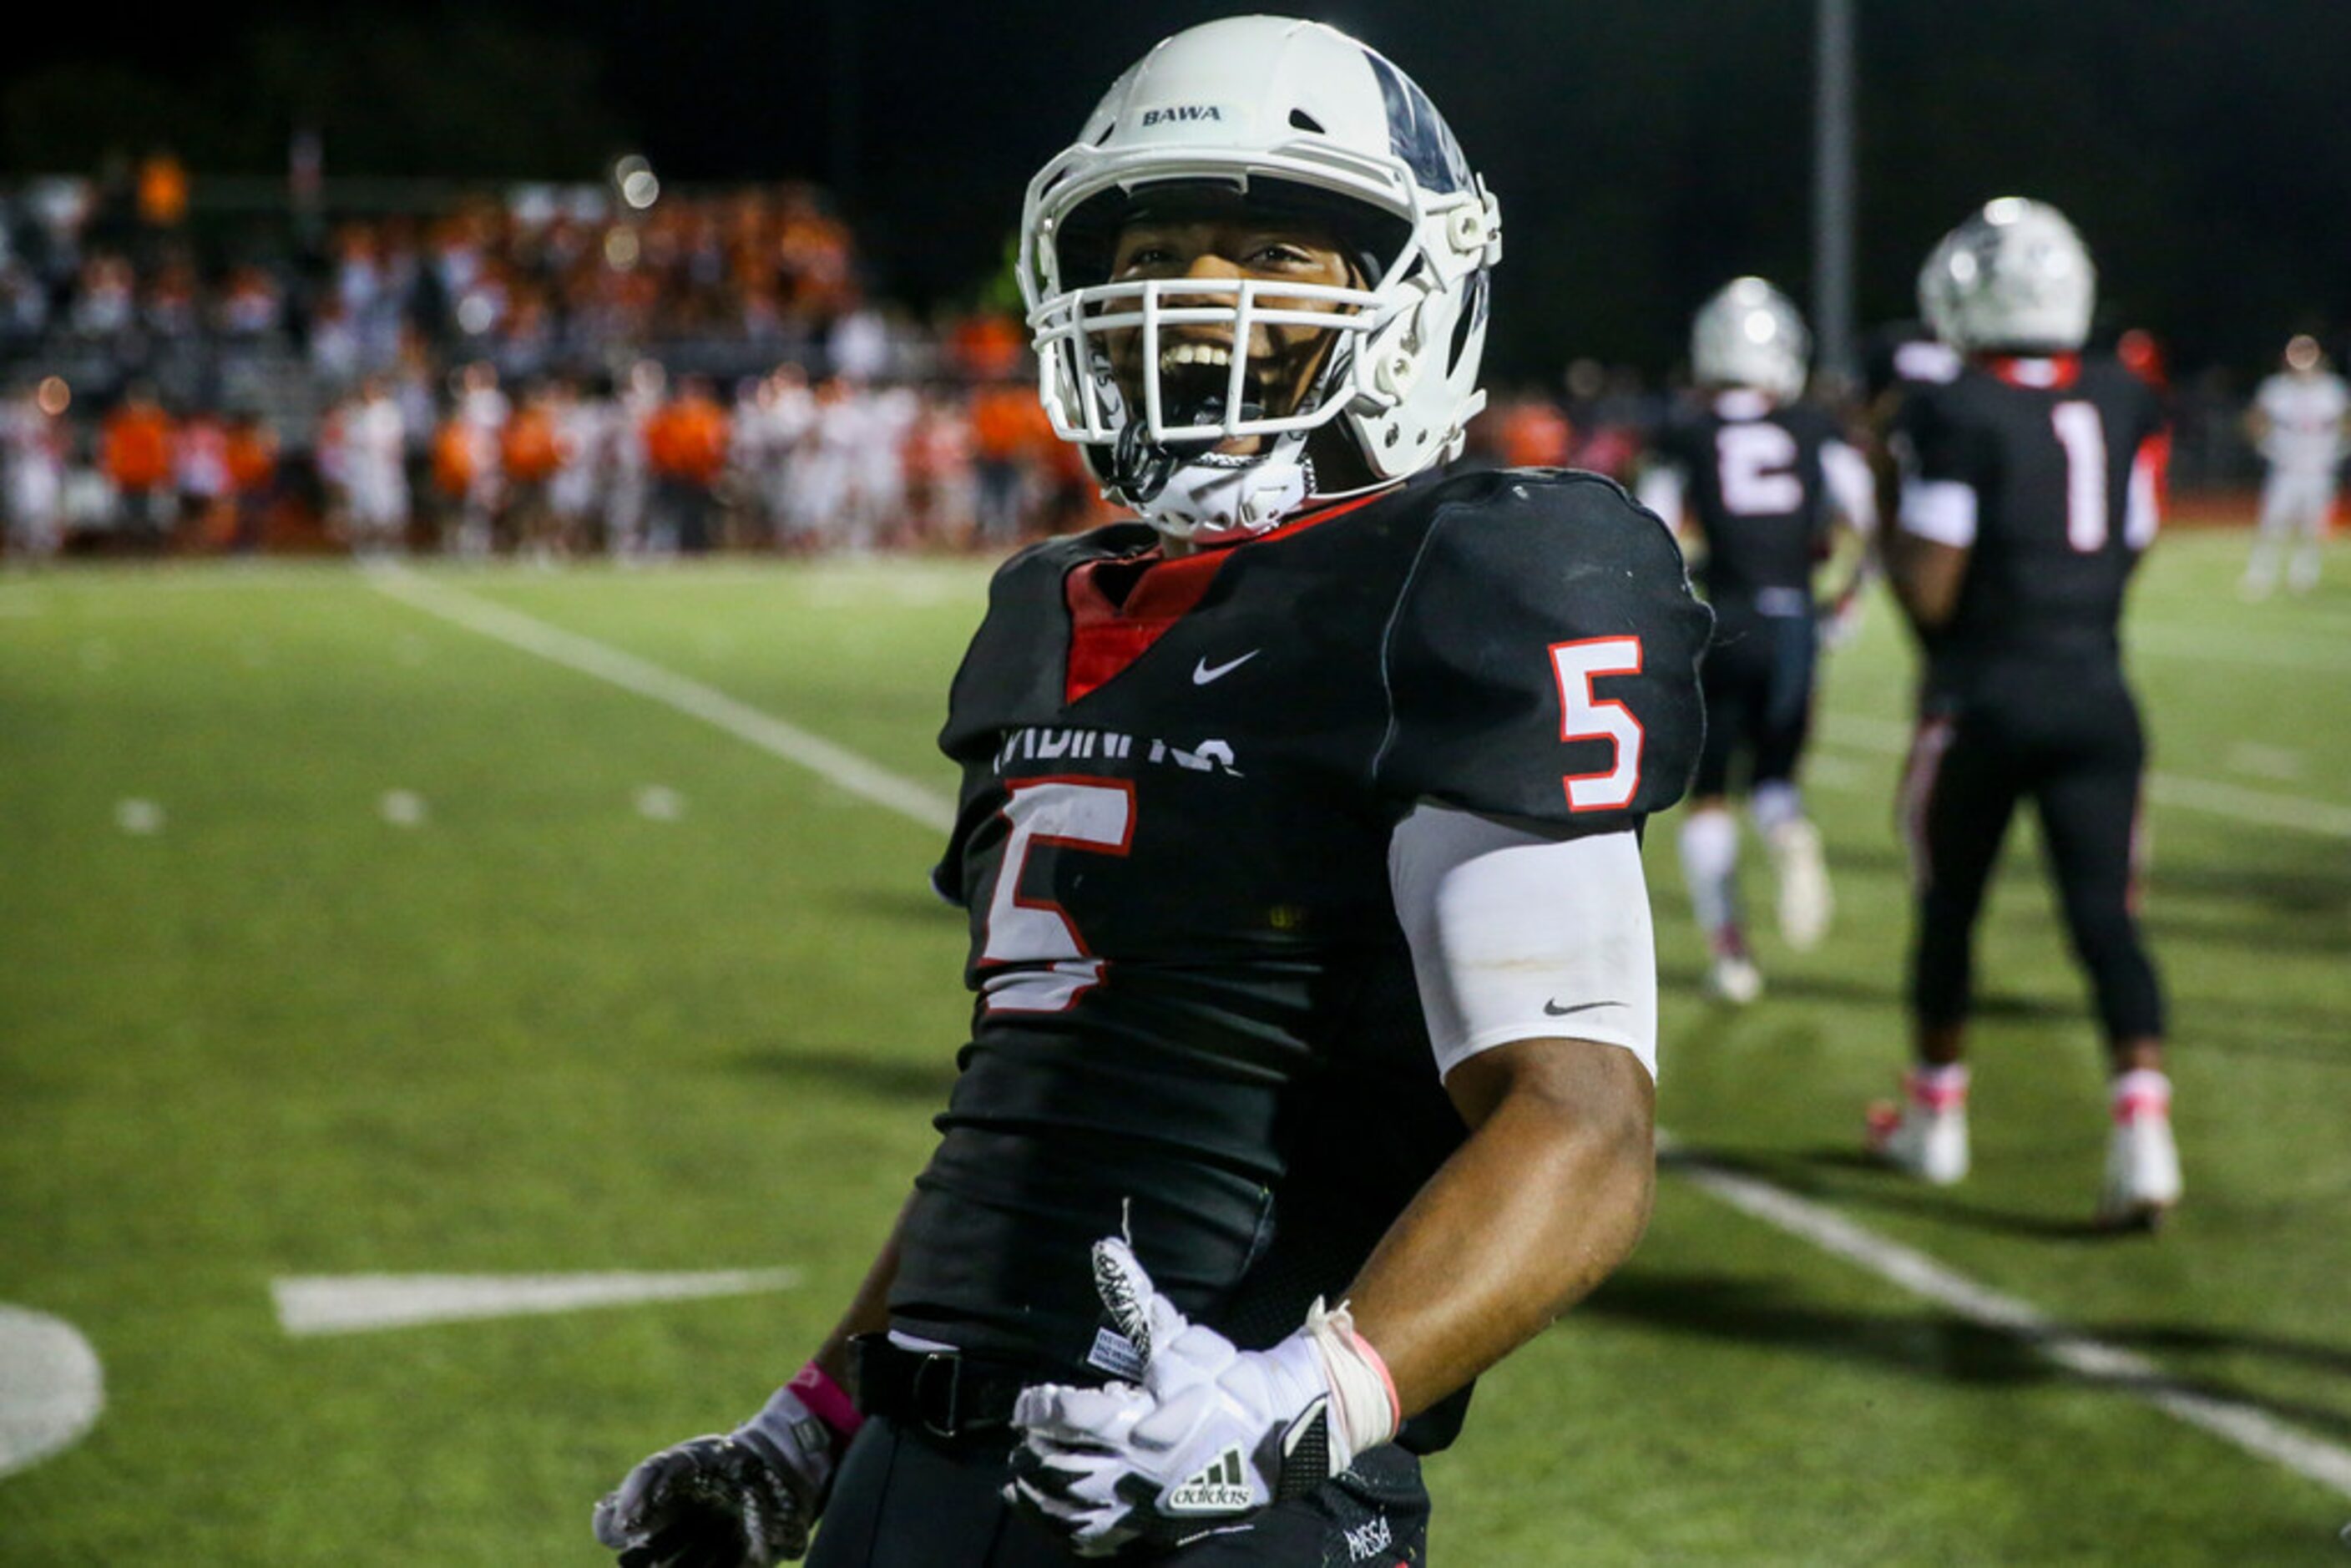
2245 1426
2249 1427
358 1303
836 764
2267 808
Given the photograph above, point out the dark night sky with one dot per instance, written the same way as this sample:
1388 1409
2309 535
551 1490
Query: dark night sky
1643 149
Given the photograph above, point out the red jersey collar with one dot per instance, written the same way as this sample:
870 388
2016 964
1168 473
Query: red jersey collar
2044 373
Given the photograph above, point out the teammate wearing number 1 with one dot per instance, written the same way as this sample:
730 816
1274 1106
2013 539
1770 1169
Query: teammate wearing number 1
1760 484
2026 495
1314 1019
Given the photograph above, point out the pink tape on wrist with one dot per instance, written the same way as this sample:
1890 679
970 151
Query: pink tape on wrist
828 1401
1396 1405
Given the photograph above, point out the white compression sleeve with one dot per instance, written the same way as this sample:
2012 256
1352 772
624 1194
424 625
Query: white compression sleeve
1516 935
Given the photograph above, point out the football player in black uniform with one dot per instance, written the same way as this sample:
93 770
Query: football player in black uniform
2025 495
1314 1019
1763 480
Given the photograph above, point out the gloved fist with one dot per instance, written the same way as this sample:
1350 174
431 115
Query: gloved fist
1211 1435
747 1499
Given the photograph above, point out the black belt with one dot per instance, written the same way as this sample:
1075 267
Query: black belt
947 1394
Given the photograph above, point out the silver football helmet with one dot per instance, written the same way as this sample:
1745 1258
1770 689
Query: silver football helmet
2013 276
1749 335
1298 117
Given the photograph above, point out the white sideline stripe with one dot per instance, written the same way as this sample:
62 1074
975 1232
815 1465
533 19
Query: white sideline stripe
52 1388
358 1303
2254 1430
2250 1430
836 764
2235 802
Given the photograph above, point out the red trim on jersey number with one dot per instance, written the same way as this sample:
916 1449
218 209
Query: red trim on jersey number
1584 716
1053 979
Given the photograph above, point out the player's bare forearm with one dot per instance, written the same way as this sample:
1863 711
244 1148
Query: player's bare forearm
868 1308
1548 1196
1925 576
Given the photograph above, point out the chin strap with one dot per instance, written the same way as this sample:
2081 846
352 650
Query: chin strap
1189 491
1214 500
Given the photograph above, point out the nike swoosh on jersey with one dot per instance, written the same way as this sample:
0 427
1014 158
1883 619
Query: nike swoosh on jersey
1204 672
1554 1010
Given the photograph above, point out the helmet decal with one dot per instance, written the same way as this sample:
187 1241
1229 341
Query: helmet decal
1416 132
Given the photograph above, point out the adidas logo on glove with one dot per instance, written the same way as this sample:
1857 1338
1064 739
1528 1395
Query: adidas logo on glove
1219 1488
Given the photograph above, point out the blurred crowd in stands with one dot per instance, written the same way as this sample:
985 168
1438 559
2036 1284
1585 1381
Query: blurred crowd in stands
563 370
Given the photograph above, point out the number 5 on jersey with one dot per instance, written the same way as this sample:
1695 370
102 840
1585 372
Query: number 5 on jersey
1584 716
1034 961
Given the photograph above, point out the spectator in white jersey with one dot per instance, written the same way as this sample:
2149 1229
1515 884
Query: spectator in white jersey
2300 421
374 450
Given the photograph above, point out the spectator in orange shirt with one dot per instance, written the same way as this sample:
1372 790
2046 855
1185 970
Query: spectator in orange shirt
987 346
134 453
685 445
531 451
455 468
252 477
1008 428
1534 434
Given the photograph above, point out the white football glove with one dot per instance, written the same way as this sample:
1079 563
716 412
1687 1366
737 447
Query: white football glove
747 1500
1211 1435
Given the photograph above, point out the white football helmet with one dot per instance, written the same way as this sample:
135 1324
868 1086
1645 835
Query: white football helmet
1298 115
2014 277
1749 334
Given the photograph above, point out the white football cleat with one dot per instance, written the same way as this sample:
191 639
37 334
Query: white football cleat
1732 975
1926 1136
1733 978
2142 1182
1805 901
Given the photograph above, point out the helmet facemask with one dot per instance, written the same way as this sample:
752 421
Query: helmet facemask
1197 389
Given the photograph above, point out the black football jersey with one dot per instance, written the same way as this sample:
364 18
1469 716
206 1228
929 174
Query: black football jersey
1755 493
2053 467
1195 1014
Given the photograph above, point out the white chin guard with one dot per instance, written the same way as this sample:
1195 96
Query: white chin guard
1215 500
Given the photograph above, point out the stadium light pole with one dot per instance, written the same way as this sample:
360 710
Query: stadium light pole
1833 186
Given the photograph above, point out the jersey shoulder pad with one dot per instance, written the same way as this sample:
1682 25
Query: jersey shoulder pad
1541 659
2125 395
1011 672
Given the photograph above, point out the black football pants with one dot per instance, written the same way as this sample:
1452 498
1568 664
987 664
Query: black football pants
1757 678
2074 746
906 1501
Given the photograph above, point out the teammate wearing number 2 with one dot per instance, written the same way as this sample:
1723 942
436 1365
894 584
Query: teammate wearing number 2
2026 495
1765 483
1314 1022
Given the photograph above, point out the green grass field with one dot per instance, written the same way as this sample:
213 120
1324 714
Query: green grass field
527 1018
